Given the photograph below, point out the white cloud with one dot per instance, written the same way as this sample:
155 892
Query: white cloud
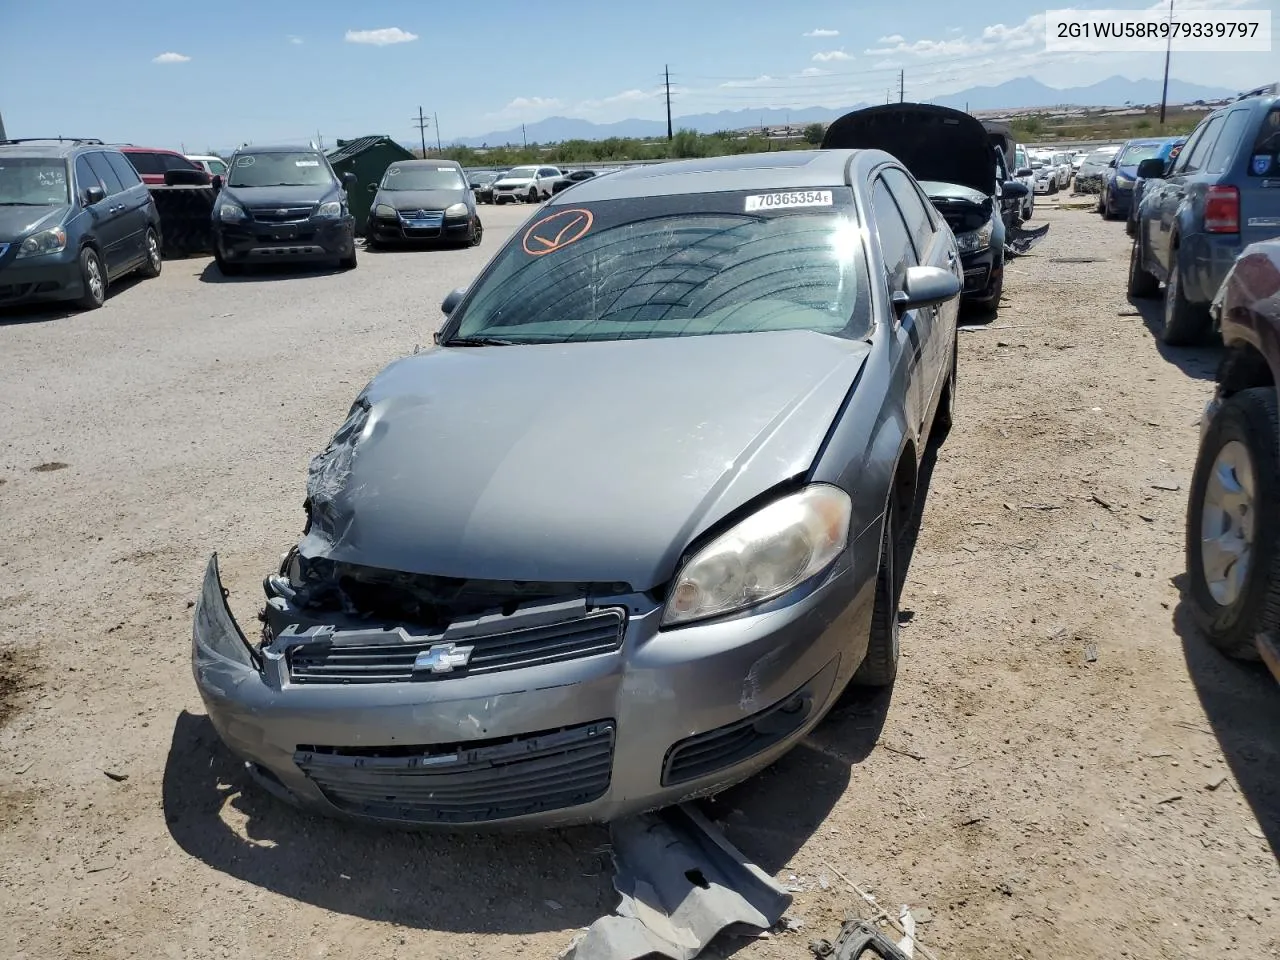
812 72
296 41
763 78
618 99
891 39
520 104
170 58
381 37
830 55
822 32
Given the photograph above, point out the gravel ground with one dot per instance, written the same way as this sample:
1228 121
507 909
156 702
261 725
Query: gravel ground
1063 769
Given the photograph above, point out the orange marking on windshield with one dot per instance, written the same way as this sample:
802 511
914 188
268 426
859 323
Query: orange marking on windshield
579 222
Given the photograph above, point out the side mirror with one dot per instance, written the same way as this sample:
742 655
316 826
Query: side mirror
94 195
452 300
925 287
1025 171
216 182
1111 162
373 188
349 180
1014 190
1152 169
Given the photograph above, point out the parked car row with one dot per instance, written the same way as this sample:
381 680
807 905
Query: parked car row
527 184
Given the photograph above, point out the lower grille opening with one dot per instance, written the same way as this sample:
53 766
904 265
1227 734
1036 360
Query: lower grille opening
705 753
468 782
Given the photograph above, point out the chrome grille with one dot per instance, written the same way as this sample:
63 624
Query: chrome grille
281 214
466 782
393 662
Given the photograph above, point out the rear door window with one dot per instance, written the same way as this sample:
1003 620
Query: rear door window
1229 141
123 169
172 161
148 163
1193 158
110 182
1264 161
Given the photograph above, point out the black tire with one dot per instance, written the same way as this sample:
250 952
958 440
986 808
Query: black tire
1249 418
228 269
1185 323
945 418
533 195
499 201
371 242
477 233
349 262
879 668
93 277
154 263
1143 284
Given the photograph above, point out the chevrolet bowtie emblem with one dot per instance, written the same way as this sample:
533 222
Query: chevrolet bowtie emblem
442 658
281 212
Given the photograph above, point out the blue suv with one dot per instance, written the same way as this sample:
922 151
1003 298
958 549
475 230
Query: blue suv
1122 174
1221 194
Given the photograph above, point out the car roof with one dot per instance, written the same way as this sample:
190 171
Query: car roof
52 147
783 170
131 148
425 163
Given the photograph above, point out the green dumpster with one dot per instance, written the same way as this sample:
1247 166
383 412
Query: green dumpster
368 158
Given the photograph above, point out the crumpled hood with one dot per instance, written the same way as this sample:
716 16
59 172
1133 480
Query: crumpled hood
571 462
421 199
17 223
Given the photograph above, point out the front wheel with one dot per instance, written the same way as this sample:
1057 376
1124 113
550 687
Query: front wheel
946 415
879 668
1143 284
477 233
93 278
533 195
1233 513
349 262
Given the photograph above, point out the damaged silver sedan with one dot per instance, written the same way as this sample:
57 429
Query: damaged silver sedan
622 536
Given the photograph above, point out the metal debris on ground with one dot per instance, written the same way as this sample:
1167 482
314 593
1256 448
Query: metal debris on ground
1019 241
858 940
1091 653
682 884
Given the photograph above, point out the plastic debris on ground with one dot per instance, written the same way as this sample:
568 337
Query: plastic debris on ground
1019 241
682 884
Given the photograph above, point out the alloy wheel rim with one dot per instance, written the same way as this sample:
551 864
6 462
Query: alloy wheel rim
153 250
1227 523
1170 293
95 278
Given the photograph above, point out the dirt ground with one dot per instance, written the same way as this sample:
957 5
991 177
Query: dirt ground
1063 769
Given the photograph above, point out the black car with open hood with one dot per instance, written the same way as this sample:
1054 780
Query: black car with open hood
952 155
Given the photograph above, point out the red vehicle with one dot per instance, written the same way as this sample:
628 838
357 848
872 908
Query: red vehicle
153 163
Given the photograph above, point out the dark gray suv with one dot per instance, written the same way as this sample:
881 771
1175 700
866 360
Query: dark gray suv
1221 194
74 216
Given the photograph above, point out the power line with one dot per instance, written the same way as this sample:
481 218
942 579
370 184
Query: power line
667 72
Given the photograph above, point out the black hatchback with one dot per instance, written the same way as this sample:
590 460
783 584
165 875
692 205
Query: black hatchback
74 216
282 204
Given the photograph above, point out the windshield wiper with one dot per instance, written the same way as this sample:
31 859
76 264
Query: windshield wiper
22 203
479 342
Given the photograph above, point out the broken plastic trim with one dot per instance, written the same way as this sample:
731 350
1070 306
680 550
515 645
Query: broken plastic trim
1019 241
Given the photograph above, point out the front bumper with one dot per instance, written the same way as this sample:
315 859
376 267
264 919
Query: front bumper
980 275
400 230
664 717
1121 199
514 194
320 238
53 276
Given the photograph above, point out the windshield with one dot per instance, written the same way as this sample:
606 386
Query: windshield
33 182
1135 154
521 173
1102 157
423 178
676 266
278 170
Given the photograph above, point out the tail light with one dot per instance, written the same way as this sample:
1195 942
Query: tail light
1222 210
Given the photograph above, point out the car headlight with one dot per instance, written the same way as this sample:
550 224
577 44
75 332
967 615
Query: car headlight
974 241
53 240
227 210
332 208
772 551
382 210
456 210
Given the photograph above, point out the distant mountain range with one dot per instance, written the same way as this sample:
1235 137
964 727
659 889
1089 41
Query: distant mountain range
1018 94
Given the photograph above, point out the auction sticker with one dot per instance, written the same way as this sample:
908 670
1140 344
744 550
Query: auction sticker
782 201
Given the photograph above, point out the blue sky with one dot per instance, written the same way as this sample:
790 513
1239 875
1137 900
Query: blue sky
166 74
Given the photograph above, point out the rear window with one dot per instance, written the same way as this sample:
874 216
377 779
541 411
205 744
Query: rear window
1230 140
677 266
1265 158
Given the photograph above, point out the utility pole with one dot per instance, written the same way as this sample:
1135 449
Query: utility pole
524 135
1168 49
902 86
666 70
319 140
435 122
422 131
2 136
